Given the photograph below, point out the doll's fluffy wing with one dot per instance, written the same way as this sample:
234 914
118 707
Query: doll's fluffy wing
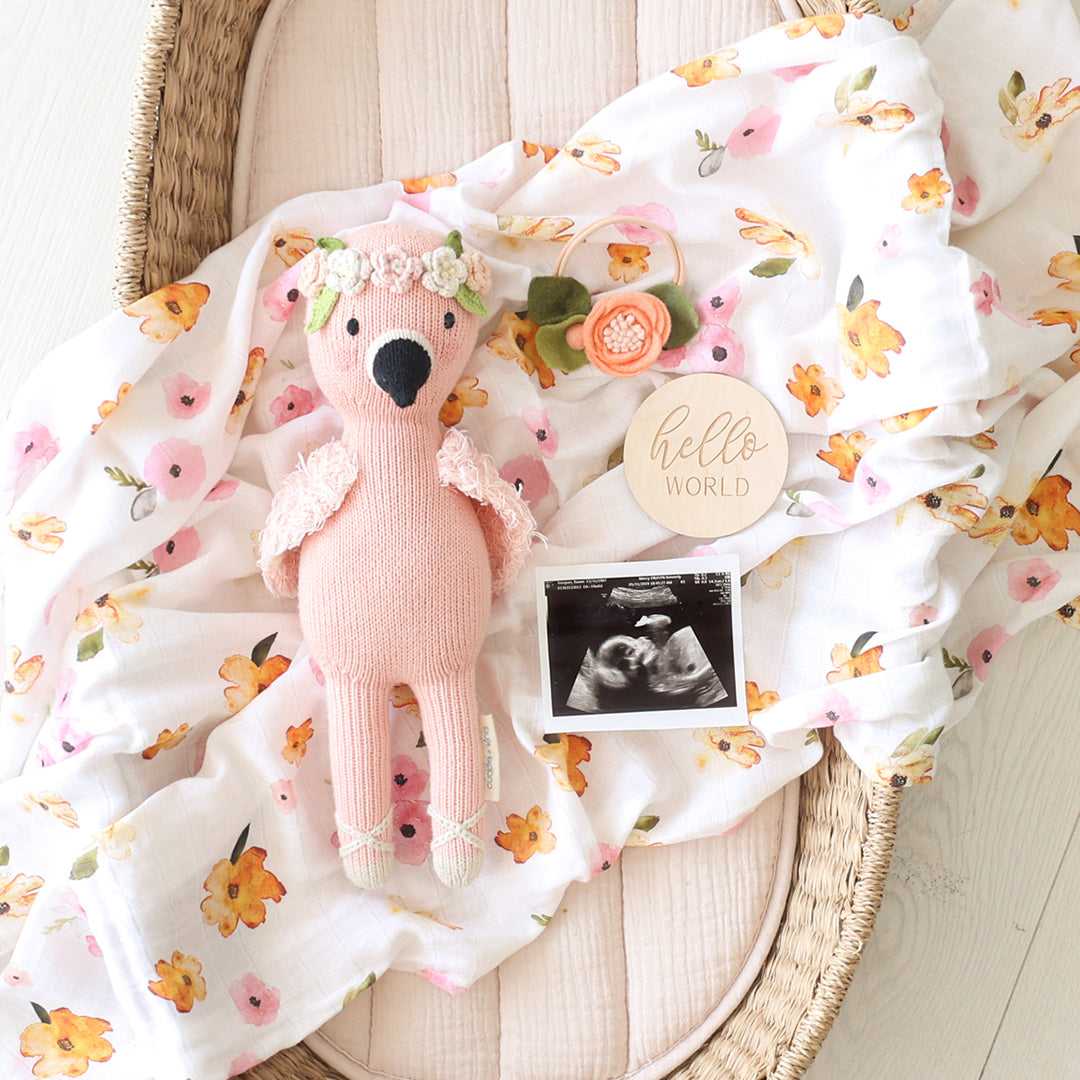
301 506
504 516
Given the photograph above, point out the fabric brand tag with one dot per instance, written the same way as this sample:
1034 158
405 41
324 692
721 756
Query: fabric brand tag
490 743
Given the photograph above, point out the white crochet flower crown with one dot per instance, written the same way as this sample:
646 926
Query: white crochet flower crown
332 269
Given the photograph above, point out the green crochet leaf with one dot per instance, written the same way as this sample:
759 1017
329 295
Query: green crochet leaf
552 299
684 319
553 349
471 301
330 243
321 309
453 241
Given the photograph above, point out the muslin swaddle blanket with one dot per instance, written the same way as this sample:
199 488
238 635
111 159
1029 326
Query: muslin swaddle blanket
880 235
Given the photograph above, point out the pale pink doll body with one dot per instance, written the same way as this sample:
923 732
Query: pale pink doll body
395 566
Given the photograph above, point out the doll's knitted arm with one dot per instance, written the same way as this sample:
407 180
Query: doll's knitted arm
301 506
508 524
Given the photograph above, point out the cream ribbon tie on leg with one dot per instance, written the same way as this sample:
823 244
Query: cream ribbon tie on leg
353 839
451 830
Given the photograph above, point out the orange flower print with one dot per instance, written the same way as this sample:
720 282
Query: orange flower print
181 981
759 700
814 389
594 152
628 261
914 767
828 26
418 184
65 1043
776 237
527 835
961 505
402 697
107 408
853 667
772 571
516 227
238 887
564 755
251 675
296 740
737 744
865 339
532 149
467 394
17 894
39 532
112 615
1047 513
167 740
1037 113
996 523
844 454
906 420
51 803
239 410
926 192
1065 265
290 245
863 112
514 338
717 65
1069 613
903 20
21 674
1056 317
169 311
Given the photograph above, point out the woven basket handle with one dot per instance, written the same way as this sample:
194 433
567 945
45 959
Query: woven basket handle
616 219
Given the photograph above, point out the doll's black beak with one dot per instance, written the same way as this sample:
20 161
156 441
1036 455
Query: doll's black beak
401 366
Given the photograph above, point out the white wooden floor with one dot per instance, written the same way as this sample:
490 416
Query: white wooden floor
974 970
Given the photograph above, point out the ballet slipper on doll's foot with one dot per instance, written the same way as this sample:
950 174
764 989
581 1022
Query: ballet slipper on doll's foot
457 847
368 856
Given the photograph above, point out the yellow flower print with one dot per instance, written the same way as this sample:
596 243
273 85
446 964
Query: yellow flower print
914 767
863 112
21 674
707 69
514 338
51 803
594 152
1056 317
116 840
527 836
17 894
564 756
296 740
926 192
737 744
628 261
255 363
399 907
776 237
108 407
514 227
1037 113
249 681
66 1043
906 420
814 389
402 697
1069 613
110 613
828 26
181 981
865 339
467 394
996 523
39 532
773 570
532 149
238 887
1047 513
1066 266
418 184
844 454
167 740
961 505
903 20
847 666
290 245
169 311
759 700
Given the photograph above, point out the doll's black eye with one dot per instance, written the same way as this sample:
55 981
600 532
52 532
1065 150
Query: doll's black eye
353 327
448 320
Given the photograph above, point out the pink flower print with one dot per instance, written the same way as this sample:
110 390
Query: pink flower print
257 1002
717 306
67 742
177 551
1031 579
284 796
672 358
754 134
642 234
280 296
393 269
833 708
69 897
987 293
603 858
923 615
888 245
294 401
703 551
92 947
984 647
184 397
536 420
946 137
441 980
966 196
317 671
244 1062
717 350
408 780
222 490
176 468
200 757
827 512
870 484
529 477
14 976
412 832
790 74
32 446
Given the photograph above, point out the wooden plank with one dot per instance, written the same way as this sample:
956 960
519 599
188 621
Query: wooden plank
975 859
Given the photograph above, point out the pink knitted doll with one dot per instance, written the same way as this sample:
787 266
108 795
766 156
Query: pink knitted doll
395 537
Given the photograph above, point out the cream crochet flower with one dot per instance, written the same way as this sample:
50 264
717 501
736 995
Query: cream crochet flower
445 272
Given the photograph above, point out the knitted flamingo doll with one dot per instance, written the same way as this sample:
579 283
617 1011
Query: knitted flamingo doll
395 537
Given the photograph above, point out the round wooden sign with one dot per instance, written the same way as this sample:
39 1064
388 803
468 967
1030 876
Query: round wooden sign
705 455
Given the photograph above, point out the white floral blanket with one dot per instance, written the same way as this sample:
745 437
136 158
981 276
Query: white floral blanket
880 226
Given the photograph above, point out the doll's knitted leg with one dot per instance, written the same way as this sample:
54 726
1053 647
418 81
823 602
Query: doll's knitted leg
360 768
451 730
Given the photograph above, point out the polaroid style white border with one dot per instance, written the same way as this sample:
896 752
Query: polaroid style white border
733 715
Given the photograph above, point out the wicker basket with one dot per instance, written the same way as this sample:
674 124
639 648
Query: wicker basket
174 210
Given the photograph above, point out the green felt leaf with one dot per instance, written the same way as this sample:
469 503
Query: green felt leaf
842 97
855 294
238 847
772 267
1016 85
453 241
5 855
861 642
1008 106
552 299
262 650
330 243
91 645
863 80
85 866
553 349
42 1013
646 822
684 319
471 302
321 309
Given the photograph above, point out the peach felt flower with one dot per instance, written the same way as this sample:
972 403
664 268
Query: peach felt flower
926 192
169 311
814 389
527 836
865 339
66 1043
628 261
564 756
624 333
707 69
181 981
467 394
